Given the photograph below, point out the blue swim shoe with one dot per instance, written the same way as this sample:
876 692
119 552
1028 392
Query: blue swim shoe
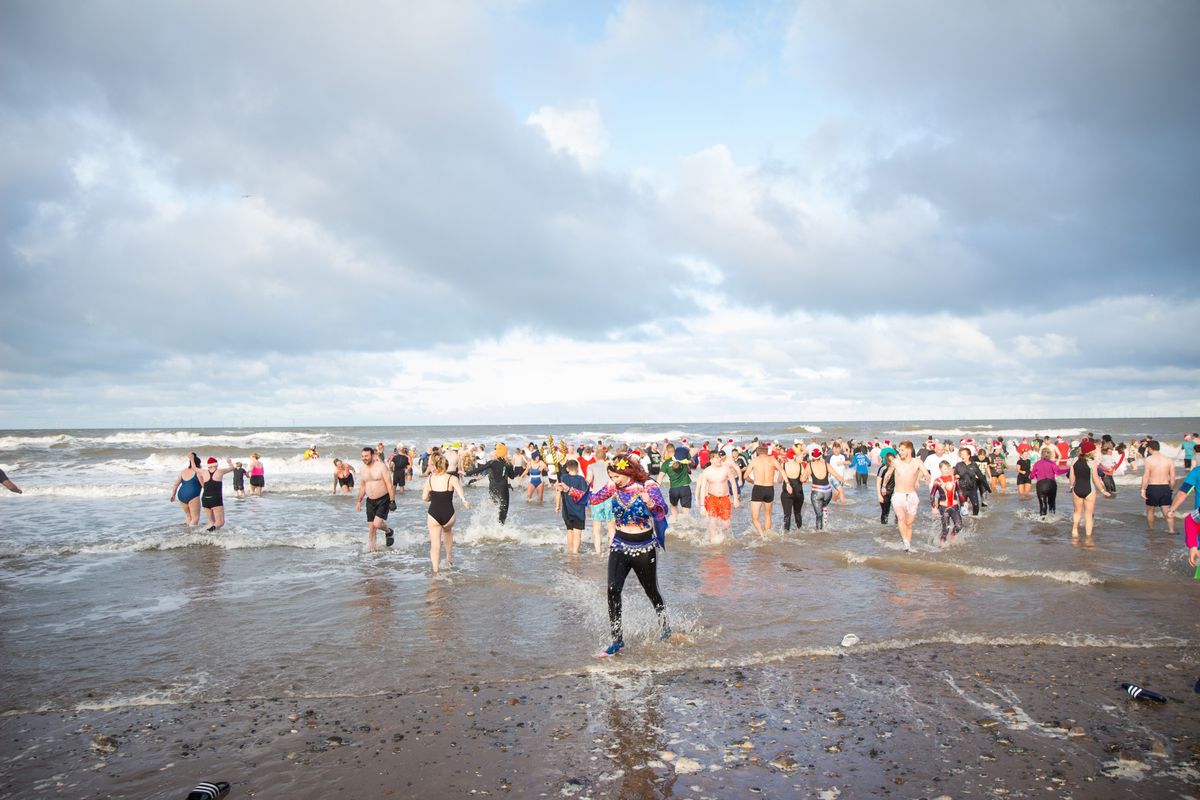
612 649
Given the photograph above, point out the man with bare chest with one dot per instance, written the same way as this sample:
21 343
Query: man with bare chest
908 472
380 495
760 473
1158 483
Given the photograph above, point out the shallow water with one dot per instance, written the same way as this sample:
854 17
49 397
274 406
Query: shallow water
106 599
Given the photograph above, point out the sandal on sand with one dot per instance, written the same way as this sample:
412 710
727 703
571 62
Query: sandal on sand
209 790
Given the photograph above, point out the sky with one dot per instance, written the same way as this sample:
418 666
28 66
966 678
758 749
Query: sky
277 213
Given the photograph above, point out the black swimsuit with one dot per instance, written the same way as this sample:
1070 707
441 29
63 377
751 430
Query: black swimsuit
210 495
441 505
1081 478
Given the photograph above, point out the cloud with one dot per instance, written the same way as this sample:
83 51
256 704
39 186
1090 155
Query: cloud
577 131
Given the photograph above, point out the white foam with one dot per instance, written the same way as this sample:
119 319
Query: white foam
986 432
1077 577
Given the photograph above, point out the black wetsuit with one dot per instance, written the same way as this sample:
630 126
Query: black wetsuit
969 480
889 488
239 479
210 494
399 468
498 471
793 503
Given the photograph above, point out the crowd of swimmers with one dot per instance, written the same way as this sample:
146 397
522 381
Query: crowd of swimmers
632 493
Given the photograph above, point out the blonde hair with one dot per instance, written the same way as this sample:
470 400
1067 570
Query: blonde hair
440 464
1047 453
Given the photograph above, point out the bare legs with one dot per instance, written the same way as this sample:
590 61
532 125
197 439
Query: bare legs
440 536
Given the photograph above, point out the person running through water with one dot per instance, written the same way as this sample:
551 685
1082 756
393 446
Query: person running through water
377 489
761 472
795 473
1158 481
640 510
677 466
1191 522
998 465
602 513
343 476
439 491
211 487
908 473
971 481
1044 475
499 471
573 510
187 490
714 493
399 463
1024 465
947 496
537 475
1084 477
885 485
258 476
821 477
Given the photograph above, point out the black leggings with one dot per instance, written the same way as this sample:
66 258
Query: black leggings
1047 492
860 479
885 508
972 495
793 504
645 566
501 499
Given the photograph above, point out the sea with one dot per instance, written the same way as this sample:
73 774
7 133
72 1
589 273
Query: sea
107 600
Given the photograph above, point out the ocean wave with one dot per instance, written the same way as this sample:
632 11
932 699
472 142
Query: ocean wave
198 538
803 429
171 439
987 432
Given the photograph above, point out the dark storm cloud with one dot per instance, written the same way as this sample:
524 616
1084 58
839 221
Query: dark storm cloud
390 200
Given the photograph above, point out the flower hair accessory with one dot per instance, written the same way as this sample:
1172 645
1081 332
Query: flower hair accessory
622 464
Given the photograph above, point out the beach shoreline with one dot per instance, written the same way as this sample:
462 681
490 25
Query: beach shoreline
928 721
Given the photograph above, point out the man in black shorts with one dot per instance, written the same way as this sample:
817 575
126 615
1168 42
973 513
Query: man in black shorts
399 466
678 469
760 473
380 495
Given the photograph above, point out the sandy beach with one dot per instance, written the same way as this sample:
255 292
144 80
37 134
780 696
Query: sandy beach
929 721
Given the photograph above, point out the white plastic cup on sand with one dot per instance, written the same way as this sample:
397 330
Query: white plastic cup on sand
849 640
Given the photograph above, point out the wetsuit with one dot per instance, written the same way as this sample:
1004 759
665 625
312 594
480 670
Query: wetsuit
946 495
1043 474
210 496
441 504
793 501
969 481
1081 478
189 490
498 471
821 494
239 479
889 488
399 469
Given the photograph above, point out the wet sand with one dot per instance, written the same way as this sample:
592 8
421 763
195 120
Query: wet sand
927 721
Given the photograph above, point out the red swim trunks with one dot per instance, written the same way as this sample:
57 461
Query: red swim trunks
718 506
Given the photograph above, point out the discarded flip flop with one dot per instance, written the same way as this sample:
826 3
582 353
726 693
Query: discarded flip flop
1138 693
849 640
209 790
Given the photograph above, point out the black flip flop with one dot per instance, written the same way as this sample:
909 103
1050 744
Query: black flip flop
209 790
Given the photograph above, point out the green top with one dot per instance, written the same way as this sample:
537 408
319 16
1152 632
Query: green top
680 473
